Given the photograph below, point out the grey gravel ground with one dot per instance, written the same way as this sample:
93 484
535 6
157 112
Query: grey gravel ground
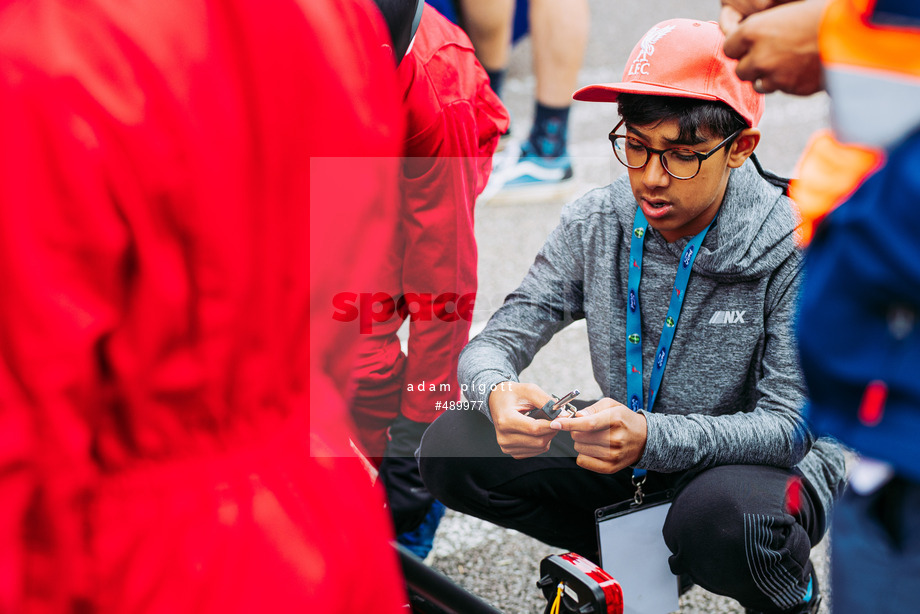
498 564
502 567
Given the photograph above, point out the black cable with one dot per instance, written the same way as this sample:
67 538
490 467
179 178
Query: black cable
431 592
772 178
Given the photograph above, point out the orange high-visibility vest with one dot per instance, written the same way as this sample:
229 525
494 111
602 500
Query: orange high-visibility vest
872 73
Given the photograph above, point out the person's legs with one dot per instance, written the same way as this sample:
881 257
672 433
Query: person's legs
548 497
731 531
488 23
875 561
540 167
559 30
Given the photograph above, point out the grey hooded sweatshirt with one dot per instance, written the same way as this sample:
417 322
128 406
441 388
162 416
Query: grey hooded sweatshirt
732 391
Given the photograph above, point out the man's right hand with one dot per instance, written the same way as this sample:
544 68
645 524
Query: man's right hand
517 434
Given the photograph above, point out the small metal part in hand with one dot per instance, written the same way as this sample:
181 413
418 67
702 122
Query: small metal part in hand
555 407
569 411
564 405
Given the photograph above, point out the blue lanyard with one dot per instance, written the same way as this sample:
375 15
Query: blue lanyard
634 391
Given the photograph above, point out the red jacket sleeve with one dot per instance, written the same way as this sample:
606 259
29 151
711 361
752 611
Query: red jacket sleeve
454 123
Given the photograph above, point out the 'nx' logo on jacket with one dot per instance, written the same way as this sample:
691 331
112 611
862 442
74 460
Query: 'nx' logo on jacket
727 317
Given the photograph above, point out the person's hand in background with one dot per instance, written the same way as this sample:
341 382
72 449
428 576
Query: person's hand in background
734 11
776 48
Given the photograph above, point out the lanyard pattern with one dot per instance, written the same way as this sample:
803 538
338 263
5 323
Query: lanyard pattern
634 385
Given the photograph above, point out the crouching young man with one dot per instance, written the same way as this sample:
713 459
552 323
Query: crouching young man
697 364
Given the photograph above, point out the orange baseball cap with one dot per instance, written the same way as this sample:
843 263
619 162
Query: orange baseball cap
683 58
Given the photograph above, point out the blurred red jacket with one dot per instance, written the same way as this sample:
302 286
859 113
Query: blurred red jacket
163 162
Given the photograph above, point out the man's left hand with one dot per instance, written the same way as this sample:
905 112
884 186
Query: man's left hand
608 436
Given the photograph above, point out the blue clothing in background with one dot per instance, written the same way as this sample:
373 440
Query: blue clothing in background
859 314
875 561
449 9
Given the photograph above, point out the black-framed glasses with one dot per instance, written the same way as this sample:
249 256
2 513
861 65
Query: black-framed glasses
679 162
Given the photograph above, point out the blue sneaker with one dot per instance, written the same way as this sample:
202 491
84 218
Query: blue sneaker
420 540
520 174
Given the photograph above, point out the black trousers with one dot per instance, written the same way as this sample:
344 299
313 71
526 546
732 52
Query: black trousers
729 528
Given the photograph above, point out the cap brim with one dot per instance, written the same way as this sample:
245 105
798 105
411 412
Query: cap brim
608 92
